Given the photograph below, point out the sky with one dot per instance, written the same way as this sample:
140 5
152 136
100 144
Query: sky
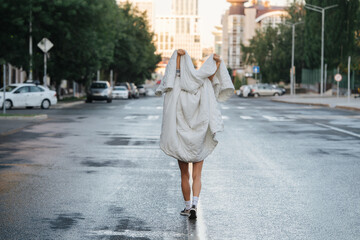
210 12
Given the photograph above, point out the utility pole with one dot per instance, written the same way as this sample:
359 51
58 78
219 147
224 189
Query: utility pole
30 44
4 88
349 92
292 76
322 11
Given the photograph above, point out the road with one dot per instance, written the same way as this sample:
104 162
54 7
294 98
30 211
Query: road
94 171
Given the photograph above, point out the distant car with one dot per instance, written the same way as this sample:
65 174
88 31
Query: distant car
27 95
142 90
99 90
150 92
258 90
283 90
127 85
134 91
120 92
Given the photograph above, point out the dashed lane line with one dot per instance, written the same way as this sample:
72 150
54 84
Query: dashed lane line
246 117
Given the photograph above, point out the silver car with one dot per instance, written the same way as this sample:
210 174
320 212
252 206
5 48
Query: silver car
99 90
258 90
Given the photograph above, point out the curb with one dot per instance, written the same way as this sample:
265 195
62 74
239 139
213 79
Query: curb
319 104
65 105
303 103
348 108
37 117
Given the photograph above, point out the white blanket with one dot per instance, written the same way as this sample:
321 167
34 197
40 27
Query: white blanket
191 116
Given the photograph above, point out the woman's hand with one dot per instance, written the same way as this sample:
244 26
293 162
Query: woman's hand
216 58
181 52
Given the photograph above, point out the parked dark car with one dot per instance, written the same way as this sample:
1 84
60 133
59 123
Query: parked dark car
99 90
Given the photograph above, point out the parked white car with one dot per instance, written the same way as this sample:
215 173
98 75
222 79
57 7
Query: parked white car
120 92
27 95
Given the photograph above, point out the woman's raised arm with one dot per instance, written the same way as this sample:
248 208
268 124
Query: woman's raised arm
218 61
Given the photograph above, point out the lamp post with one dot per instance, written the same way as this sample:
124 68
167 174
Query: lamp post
292 77
322 11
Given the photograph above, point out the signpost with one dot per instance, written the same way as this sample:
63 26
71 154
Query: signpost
337 78
45 45
256 70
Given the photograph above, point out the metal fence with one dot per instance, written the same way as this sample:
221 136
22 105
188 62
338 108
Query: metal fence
310 78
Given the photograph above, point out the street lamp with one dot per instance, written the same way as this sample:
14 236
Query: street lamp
322 11
292 81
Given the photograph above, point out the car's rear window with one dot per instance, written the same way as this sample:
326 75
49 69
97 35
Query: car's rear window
98 85
120 88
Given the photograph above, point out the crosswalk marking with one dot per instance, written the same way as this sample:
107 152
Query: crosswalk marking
225 117
246 117
153 117
277 119
130 117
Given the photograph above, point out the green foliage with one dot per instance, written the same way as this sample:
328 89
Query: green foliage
271 48
339 35
134 58
237 82
87 35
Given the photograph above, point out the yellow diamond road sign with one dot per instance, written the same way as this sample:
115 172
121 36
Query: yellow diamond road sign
45 45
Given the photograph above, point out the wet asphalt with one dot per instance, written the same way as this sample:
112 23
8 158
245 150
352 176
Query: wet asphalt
95 171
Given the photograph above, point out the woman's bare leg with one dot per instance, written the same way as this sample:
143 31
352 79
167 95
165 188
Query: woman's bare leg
196 175
185 176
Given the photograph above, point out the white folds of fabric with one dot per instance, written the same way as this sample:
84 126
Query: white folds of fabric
191 115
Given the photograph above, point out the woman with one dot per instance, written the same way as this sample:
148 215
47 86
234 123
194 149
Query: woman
191 118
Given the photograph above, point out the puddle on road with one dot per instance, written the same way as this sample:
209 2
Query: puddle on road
132 224
128 141
64 221
109 163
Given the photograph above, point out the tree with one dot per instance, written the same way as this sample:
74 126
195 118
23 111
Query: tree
87 35
134 58
339 34
270 48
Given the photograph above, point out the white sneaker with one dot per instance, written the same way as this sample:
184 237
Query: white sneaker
185 212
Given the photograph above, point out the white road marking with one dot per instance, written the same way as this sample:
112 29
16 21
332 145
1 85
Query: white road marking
339 130
224 107
277 119
130 117
159 107
127 107
225 117
153 117
246 117
240 107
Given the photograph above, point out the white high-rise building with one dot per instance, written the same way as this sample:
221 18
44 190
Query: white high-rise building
179 30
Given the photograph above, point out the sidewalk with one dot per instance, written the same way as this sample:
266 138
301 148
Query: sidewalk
325 101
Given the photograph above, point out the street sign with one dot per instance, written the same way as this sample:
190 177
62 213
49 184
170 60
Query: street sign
338 77
45 45
256 69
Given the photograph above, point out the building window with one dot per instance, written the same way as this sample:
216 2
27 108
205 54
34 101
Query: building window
197 39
